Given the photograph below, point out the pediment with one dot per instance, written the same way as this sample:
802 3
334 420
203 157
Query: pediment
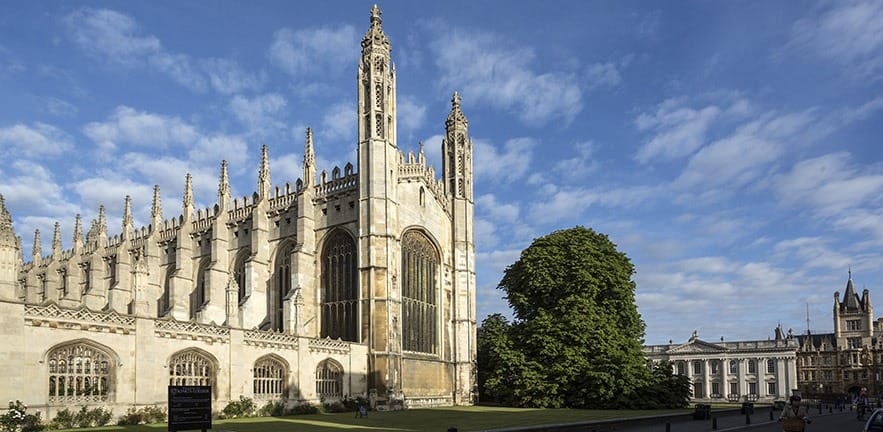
697 346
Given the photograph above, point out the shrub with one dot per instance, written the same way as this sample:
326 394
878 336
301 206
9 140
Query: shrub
64 419
17 419
144 415
272 409
304 409
92 418
244 407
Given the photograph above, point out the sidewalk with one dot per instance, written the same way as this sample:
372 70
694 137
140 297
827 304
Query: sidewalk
725 422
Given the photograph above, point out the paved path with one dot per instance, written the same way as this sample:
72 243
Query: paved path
760 422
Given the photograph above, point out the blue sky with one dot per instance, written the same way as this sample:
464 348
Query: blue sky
731 149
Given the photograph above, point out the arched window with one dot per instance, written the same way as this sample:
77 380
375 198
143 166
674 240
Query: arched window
752 366
111 271
329 380
734 367
78 373
697 367
682 368
239 274
191 368
164 302
87 278
339 288
419 293
200 293
771 366
269 378
282 285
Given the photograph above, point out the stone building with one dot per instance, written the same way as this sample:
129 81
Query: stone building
762 370
360 282
850 358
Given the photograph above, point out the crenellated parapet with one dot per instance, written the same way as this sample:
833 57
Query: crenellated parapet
338 183
415 168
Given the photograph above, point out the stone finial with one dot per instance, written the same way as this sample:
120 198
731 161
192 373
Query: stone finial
127 218
264 174
456 116
309 156
156 208
56 241
188 191
78 232
5 217
223 184
37 250
375 35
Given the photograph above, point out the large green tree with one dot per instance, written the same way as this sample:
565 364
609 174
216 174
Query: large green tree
577 335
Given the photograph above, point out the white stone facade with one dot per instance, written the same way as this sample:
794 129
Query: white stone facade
733 371
357 283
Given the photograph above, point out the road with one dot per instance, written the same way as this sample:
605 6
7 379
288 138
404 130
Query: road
845 422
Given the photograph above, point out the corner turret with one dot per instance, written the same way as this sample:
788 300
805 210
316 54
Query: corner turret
10 255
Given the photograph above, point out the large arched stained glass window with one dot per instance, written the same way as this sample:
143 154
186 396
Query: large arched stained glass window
329 380
269 378
281 286
419 294
79 372
191 368
339 288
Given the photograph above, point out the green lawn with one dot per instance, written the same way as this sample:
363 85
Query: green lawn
473 418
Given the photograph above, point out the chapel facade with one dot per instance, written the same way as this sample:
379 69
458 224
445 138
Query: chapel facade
360 283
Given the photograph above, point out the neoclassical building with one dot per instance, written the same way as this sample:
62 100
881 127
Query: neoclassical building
762 370
850 358
357 282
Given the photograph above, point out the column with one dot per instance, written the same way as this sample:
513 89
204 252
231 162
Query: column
725 369
761 378
743 369
706 383
690 377
781 378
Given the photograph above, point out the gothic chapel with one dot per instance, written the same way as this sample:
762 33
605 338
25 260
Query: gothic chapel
357 283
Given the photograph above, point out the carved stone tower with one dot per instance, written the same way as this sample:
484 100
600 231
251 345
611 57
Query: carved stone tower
378 206
10 256
457 171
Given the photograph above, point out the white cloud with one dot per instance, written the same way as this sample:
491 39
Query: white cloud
828 184
847 33
129 126
317 51
576 168
227 77
60 108
110 36
742 156
260 113
31 188
679 131
498 212
602 75
506 165
488 69
34 141
410 114
179 68
213 149
339 122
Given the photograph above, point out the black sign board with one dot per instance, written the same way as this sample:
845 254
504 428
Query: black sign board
190 407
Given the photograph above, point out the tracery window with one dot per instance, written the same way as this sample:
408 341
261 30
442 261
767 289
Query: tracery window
190 368
239 274
378 125
329 380
282 285
339 288
269 378
78 373
419 293
199 296
164 302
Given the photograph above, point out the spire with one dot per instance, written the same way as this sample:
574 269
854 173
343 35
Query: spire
127 218
102 224
188 191
850 298
456 116
5 217
78 233
375 35
56 241
37 251
223 184
156 209
264 174
309 160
